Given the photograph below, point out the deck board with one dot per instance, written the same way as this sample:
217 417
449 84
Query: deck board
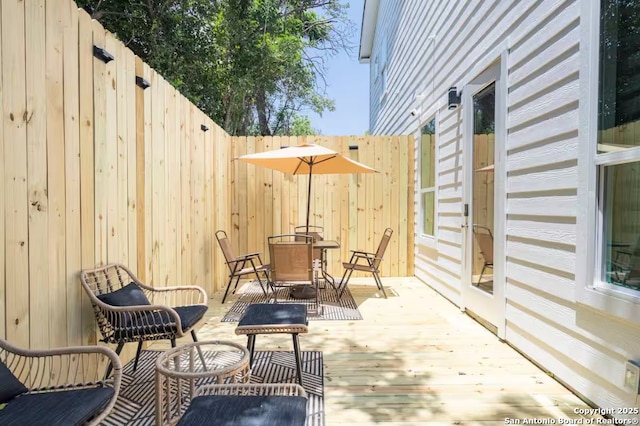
414 359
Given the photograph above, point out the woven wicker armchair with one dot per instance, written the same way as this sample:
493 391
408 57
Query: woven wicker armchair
58 386
139 312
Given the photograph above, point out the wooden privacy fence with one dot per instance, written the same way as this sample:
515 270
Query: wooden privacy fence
95 169
353 209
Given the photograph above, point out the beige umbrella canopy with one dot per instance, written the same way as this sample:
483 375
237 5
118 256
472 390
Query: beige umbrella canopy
306 159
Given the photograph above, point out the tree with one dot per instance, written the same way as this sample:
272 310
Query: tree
252 65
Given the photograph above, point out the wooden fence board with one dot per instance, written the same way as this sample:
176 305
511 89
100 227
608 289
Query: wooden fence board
185 177
140 199
112 201
148 176
87 194
198 197
256 206
100 142
71 144
177 142
277 195
172 184
56 174
131 164
389 210
122 155
37 173
267 197
15 173
406 198
208 197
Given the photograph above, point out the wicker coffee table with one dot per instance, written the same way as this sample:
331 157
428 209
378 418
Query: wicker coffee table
182 371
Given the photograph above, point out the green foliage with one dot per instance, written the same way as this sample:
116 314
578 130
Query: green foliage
252 65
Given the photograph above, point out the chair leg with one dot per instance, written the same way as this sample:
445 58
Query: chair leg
173 342
235 287
343 283
227 290
481 273
195 339
135 363
251 343
118 350
379 283
296 350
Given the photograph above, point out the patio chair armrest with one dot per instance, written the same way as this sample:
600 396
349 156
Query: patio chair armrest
178 296
63 368
265 389
248 256
362 255
362 252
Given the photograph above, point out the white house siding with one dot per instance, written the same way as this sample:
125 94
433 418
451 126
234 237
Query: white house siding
435 44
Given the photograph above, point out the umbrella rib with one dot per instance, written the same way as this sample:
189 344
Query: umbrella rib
327 159
304 160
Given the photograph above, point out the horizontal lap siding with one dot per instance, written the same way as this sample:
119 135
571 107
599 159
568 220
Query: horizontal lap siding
434 45
543 145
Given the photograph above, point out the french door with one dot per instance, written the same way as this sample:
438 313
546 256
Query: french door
484 218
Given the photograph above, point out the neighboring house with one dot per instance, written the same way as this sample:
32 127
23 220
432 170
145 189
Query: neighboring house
528 185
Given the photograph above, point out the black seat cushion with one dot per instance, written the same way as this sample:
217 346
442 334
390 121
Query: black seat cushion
161 322
232 410
129 295
10 386
72 407
274 313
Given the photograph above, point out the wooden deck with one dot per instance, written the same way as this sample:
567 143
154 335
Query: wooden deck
416 359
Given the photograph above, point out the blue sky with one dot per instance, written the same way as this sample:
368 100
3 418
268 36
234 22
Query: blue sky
348 86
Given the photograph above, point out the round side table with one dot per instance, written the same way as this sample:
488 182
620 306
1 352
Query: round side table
181 370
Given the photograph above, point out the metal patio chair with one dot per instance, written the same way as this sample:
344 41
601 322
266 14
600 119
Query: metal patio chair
484 238
293 265
240 266
366 262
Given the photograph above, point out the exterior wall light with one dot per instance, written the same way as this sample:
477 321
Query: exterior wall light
454 98
102 54
141 82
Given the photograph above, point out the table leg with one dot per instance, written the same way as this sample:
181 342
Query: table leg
323 268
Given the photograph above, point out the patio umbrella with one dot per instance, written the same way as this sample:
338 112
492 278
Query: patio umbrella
308 159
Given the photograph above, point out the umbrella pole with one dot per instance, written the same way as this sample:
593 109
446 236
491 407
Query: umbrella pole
309 197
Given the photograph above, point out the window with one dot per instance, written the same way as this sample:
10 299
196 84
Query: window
428 177
618 142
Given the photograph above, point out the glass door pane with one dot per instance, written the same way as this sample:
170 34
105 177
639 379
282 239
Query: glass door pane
483 187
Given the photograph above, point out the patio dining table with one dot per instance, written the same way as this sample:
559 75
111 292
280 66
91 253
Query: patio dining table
323 246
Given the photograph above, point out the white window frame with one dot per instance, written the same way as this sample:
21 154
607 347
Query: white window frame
590 290
426 239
